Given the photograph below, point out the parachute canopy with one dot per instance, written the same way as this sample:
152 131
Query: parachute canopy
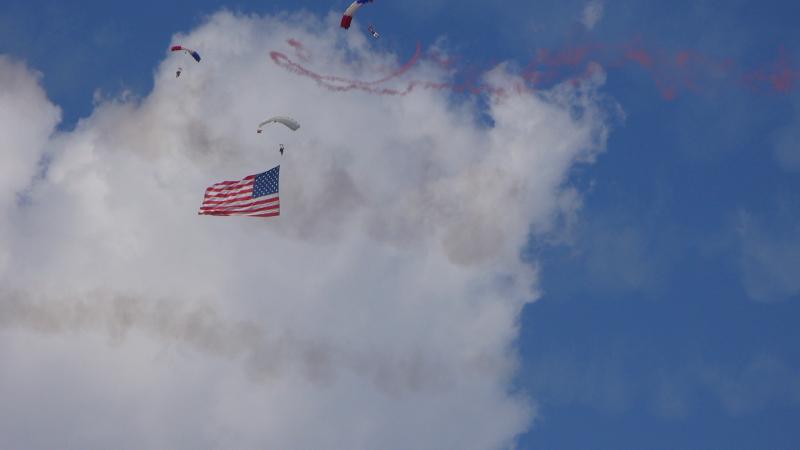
288 121
192 53
347 18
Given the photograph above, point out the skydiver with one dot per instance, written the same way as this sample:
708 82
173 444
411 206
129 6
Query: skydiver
281 149
373 32
178 73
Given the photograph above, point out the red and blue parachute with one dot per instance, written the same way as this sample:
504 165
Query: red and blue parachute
347 18
192 53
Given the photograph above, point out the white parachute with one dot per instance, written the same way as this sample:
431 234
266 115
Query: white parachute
288 121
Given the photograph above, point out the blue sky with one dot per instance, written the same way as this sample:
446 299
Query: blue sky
669 308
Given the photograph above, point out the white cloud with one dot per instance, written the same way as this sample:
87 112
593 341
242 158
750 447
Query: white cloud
770 261
786 142
763 382
26 119
615 381
592 13
562 377
378 311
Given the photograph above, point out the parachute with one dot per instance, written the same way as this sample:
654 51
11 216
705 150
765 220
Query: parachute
347 18
190 52
288 121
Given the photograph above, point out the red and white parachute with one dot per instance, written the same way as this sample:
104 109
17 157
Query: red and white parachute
190 52
347 18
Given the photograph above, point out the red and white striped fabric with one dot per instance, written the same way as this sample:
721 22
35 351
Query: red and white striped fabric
254 195
347 18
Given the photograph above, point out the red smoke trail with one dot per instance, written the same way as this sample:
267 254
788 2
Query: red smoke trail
672 72
300 50
780 76
445 62
284 61
341 84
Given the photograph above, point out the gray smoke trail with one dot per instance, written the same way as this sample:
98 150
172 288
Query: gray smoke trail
265 356
199 327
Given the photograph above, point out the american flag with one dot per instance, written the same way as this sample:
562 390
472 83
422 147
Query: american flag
255 195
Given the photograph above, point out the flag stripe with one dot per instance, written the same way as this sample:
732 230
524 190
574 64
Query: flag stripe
240 205
242 210
225 212
229 189
214 200
255 212
273 214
